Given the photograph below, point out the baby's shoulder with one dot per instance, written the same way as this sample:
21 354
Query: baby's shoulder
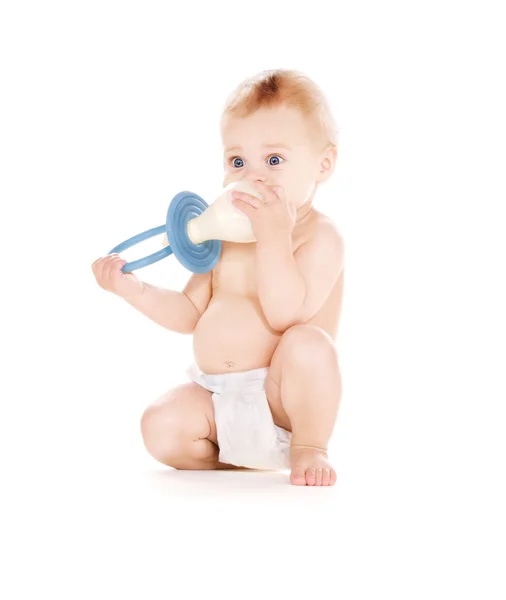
321 238
320 225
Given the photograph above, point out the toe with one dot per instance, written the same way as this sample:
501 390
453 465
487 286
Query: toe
297 476
333 477
310 476
318 477
326 477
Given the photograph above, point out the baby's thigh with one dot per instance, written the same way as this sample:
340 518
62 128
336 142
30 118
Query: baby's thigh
184 410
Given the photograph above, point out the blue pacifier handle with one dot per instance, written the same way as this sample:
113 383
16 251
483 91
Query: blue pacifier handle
199 258
147 260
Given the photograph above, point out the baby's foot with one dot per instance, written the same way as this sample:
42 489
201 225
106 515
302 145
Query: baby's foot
310 466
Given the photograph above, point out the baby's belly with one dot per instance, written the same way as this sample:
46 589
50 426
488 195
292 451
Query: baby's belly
233 335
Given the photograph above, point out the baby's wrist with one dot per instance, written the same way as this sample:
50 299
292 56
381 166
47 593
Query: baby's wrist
275 240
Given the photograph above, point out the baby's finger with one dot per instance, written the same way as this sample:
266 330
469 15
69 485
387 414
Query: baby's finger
248 210
251 200
98 268
267 192
97 264
106 267
115 265
280 193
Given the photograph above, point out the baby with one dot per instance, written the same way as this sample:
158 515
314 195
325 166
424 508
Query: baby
265 386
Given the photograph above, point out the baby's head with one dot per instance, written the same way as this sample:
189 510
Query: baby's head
277 127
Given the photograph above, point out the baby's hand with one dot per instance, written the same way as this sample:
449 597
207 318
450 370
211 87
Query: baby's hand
109 276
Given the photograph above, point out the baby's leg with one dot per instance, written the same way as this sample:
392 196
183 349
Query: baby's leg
303 389
179 430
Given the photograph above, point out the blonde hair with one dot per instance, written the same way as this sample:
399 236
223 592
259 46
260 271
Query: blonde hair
276 87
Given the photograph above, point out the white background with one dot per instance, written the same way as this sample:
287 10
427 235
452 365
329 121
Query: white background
108 109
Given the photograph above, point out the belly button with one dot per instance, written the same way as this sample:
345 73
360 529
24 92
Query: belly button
229 364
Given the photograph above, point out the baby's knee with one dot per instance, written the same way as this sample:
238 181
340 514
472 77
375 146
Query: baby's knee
163 434
171 437
310 345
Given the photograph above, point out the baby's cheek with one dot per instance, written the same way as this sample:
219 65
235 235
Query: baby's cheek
299 193
295 194
228 178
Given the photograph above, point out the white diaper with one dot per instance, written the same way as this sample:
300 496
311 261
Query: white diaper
247 435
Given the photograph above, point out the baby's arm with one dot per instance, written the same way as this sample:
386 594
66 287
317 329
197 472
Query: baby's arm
177 311
293 287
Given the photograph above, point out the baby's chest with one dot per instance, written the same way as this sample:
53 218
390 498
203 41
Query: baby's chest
236 269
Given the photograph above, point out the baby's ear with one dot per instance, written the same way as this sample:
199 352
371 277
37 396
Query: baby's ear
328 163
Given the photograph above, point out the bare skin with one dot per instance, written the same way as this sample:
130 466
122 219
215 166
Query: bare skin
304 375
303 386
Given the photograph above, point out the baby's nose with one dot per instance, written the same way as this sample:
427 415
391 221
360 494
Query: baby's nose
255 176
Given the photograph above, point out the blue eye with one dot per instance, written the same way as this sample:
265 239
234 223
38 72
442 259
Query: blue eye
273 160
277 158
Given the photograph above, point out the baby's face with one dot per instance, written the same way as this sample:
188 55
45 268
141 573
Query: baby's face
275 146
